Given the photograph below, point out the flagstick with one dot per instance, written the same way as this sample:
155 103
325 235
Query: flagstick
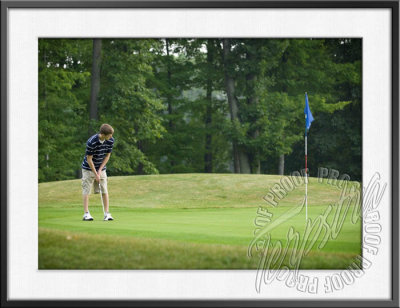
305 141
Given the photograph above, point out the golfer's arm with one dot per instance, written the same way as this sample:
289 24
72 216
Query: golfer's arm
105 161
90 162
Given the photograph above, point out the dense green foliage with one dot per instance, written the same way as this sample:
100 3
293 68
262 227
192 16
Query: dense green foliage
167 100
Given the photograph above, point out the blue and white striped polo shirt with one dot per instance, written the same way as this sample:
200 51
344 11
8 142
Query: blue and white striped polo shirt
98 149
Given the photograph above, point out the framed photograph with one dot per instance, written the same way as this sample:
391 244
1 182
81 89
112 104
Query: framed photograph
200 153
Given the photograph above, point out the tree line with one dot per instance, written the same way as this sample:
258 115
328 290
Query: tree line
200 105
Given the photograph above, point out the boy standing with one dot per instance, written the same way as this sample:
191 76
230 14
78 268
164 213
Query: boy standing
98 152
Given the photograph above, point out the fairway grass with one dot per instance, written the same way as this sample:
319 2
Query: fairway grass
180 221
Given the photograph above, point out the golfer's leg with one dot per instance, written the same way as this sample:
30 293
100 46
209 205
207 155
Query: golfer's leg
87 182
86 203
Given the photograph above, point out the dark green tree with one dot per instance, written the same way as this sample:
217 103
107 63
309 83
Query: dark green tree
335 99
64 83
129 104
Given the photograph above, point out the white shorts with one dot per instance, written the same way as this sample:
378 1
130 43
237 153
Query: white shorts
89 181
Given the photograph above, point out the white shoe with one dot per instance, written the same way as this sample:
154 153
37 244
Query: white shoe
87 216
108 216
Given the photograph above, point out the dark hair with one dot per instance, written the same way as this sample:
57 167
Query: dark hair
106 129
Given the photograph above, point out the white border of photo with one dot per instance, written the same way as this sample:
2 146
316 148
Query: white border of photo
27 25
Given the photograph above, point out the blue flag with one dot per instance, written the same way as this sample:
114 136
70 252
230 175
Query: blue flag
307 112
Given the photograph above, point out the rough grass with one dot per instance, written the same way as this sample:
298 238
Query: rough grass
74 250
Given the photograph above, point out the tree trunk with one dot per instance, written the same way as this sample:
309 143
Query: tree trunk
281 164
45 102
252 100
140 166
232 101
208 116
244 162
255 161
257 169
285 57
169 95
95 85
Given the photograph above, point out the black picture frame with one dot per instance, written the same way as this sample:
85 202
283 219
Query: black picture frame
393 5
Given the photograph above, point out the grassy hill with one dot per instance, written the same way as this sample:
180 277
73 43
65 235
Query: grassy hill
179 221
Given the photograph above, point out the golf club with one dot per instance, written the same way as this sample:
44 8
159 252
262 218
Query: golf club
101 196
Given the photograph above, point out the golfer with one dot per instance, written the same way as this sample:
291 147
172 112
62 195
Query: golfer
98 152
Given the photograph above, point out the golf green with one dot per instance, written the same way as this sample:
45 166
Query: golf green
188 221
